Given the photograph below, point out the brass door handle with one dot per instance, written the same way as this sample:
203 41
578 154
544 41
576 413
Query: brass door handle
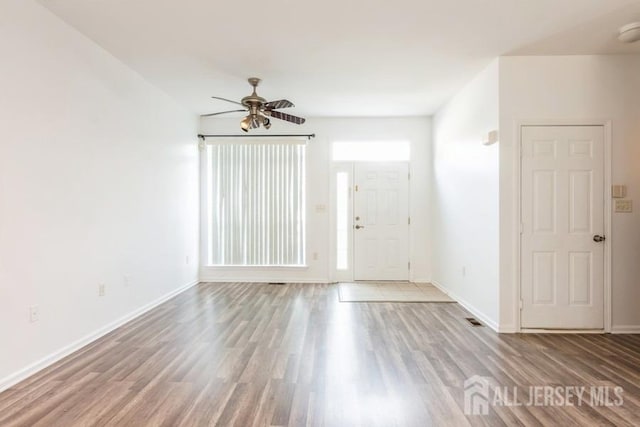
358 227
598 239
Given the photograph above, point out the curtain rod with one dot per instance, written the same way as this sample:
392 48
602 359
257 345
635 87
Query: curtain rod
308 135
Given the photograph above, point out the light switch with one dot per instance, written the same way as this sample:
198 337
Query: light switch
624 206
321 208
618 191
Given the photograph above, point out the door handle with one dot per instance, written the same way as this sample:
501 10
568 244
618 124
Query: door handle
597 238
358 227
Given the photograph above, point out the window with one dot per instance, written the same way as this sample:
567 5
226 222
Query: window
342 220
371 151
256 203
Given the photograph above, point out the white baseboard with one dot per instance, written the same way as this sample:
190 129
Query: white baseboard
205 279
507 329
469 307
625 329
52 358
562 331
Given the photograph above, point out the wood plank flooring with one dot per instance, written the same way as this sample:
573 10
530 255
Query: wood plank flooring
266 355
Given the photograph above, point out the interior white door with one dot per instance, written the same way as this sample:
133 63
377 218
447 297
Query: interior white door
381 221
562 257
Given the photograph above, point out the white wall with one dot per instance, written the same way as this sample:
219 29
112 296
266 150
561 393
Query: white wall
98 179
416 130
575 88
465 197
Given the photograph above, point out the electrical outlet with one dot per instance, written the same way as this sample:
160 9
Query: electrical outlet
186 259
102 289
34 313
463 270
315 256
127 280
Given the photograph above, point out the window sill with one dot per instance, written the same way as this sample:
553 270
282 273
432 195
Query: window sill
257 267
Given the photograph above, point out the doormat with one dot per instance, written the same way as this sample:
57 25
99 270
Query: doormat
390 292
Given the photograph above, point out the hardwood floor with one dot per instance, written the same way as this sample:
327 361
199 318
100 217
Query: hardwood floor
258 355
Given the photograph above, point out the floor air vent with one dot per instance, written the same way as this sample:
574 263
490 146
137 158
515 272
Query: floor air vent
276 283
473 321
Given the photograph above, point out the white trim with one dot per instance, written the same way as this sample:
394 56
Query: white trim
259 274
517 224
507 329
261 279
608 181
517 218
469 307
54 357
231 267
562 331
625 329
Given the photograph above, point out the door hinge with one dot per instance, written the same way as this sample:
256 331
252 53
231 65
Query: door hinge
409 221
409 265
409 175
520 304
356 188
521 228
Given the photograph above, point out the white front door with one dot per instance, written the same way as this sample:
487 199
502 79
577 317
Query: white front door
381 221
562 259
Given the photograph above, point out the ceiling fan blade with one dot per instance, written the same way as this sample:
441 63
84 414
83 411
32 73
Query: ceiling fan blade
222 112
228 100
281 103
288 117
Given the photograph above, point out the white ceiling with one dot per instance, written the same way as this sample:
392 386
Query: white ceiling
337 57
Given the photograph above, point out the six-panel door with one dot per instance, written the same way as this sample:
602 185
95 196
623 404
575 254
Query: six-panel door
381 214
562 205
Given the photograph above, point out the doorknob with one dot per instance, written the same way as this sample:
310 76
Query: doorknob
598 238
358 227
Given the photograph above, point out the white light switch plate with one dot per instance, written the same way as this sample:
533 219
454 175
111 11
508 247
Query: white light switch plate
624 206
34 313
618 191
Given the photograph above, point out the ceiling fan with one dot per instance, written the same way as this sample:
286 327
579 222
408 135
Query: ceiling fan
260 110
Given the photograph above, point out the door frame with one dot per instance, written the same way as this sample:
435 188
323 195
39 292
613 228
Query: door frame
517 219
349 166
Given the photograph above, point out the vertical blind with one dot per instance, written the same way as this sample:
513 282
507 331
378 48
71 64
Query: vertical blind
256 203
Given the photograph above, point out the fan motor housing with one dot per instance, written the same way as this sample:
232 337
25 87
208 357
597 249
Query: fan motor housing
251 100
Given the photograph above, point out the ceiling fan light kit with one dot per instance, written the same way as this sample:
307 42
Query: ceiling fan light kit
629 33
260 110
